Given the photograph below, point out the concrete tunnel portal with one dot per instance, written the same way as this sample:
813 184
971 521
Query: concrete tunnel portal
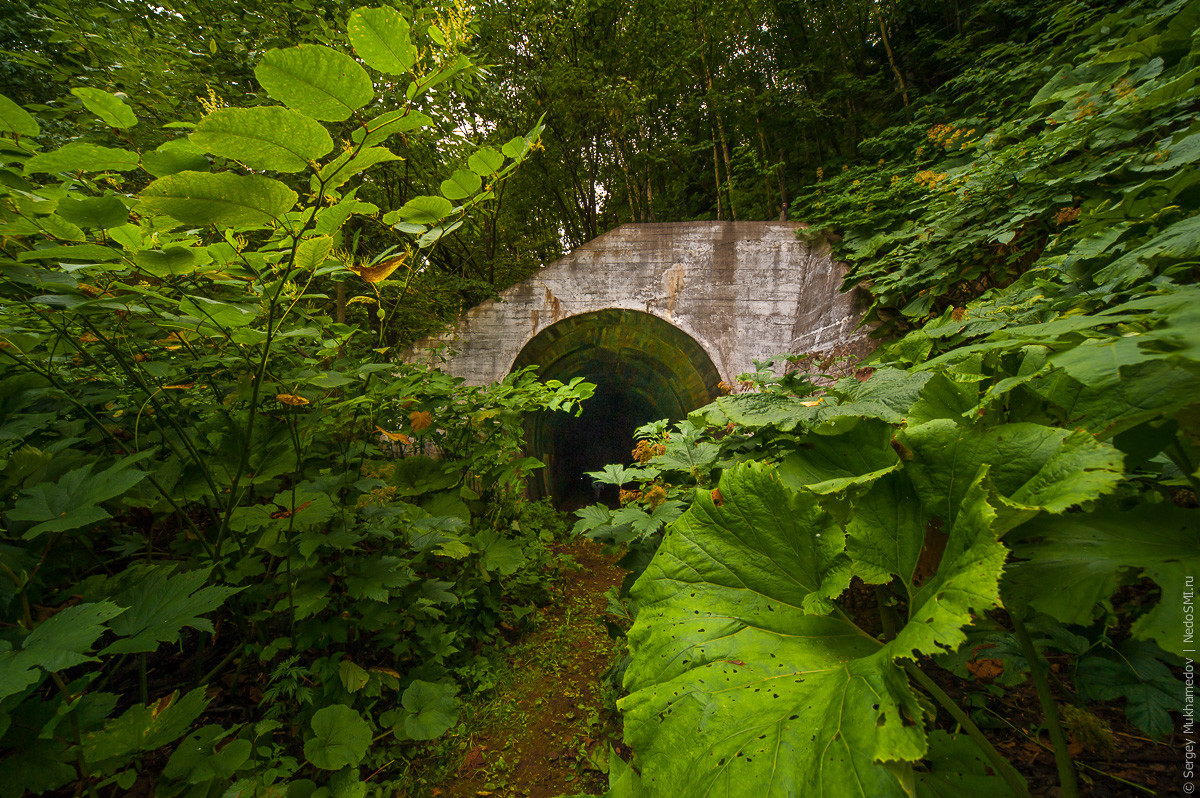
644 369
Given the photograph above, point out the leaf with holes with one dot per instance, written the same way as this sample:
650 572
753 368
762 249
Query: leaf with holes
738 686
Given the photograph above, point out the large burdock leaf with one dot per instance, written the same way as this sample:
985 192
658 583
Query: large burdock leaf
316 81
340 738
380 37
737 687
201 198
430 710
1032 466
832 463
1072 564
270 137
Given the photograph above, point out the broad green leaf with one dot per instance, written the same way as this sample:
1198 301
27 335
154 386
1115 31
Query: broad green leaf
516 148
161 604
386 125
461 185
955 768
200 198
145 727
111 109
73 501
757 410
590 517
1136 674
1032 466
736 687
103 213
65 639
832 463
500 555
335 173
1071 564
312 253
426 210
353 677
340 738
82 253
179 155
268 137
168 262
380 36
430 709
886 534
614 474
966 582
485 161
316 81
15 120
80 157
219 314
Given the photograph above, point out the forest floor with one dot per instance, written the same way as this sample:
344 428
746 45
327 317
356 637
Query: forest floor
546 729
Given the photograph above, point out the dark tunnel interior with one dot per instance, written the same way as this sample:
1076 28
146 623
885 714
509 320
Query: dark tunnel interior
644 369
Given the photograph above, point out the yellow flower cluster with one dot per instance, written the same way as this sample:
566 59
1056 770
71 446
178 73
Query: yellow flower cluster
948 135
928 178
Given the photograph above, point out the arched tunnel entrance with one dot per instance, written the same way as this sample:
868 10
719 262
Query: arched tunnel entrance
644 369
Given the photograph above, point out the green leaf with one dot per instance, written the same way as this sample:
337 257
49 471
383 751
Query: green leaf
956 768
80 157
386 125
200 198
171 261
269 137
461 185
316 81
430 709
832 463
145 728
352 676
102 213
380 36
485 161
312 253
15 120
64 639
614 474
111 109
736 687
161 605
73 501
173 157
335 173
1073 563
214 313
503 556
1033 466
426 210
340 738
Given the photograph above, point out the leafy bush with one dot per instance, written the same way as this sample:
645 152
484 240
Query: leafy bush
201 526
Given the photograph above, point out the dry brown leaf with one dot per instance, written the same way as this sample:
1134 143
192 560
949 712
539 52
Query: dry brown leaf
379 272
420 419
292 399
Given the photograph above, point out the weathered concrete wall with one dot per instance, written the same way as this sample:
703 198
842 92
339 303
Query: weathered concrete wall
742 290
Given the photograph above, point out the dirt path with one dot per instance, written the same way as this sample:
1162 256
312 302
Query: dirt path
546 733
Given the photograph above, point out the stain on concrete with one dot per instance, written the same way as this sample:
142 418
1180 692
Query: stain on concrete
672 285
